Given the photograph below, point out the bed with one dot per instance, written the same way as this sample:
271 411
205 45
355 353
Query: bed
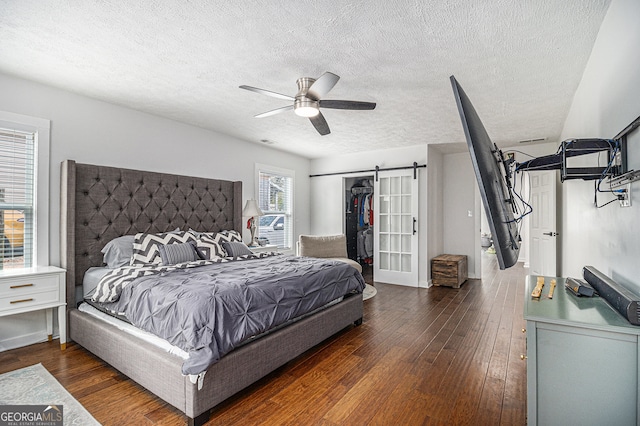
100 203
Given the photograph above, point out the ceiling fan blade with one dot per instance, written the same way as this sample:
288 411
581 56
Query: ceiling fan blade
268 93
320 124
322 86
347 104
274 111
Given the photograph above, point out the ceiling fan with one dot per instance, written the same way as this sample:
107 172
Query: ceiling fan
308 100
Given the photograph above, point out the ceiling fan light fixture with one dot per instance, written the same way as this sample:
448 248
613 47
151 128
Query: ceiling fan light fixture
307 111
305 107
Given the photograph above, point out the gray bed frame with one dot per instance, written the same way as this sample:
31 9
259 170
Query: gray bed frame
99 203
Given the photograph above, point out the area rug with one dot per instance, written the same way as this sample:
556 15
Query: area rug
34 385
369 292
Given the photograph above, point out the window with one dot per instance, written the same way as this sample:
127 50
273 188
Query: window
275 198
24 145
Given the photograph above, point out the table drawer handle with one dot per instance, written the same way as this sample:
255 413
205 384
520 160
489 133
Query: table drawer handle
20 301
21 285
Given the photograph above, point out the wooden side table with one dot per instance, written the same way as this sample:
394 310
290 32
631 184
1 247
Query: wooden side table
33 289
449 270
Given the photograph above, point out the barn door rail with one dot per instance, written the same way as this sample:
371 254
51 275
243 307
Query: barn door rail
378 169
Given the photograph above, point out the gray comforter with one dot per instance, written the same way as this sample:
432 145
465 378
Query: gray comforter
209 310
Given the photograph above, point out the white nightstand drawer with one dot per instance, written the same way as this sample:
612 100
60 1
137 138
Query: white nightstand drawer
28 284
22 301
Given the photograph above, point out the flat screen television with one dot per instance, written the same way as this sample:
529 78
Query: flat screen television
492 172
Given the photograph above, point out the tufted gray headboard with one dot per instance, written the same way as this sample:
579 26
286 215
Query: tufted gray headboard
99 203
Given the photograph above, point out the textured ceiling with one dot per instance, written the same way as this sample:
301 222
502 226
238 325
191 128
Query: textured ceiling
520 62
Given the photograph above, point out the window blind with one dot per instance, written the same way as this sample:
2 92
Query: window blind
275 200
17 195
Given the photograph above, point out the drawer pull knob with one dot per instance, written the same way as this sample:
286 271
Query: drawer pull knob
523 357
21 285
20 301
524 330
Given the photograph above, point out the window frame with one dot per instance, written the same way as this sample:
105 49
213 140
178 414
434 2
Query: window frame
264 168
41 128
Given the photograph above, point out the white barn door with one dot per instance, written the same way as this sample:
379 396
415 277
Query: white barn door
396 228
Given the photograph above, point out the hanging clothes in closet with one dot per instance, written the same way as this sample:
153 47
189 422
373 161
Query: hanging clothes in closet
359 227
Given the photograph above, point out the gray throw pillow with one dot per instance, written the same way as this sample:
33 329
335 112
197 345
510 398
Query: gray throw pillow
235 248
172 254
118 251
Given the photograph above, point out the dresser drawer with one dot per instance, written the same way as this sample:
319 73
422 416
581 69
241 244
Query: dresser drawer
28 285
22 301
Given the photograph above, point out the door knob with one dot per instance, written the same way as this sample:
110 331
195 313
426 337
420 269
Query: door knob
551 234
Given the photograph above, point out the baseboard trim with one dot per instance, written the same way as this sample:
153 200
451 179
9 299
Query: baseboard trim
24 340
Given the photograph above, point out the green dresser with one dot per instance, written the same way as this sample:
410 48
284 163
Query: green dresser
582 360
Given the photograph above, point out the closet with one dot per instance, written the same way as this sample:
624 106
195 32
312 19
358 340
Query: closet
359 218
381 221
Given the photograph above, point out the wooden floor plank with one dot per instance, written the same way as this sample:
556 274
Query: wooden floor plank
364 398
435 356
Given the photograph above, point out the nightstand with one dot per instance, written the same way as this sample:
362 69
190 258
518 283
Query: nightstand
265 248
33 289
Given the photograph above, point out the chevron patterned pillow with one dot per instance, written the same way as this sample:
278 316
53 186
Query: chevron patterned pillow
145 246
230 236
210 243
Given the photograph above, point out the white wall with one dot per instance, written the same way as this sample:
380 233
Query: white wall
606 101
435 185
327 207
94 132
459 210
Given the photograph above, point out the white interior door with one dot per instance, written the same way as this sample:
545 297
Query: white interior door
396 228
543 241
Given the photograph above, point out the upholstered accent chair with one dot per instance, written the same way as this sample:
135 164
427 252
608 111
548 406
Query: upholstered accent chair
326 246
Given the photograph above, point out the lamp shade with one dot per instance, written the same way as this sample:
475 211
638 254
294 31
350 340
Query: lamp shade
251 209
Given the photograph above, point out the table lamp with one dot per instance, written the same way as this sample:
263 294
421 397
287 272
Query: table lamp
252 211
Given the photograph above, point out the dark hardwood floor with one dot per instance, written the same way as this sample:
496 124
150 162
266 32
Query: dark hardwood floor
435 356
